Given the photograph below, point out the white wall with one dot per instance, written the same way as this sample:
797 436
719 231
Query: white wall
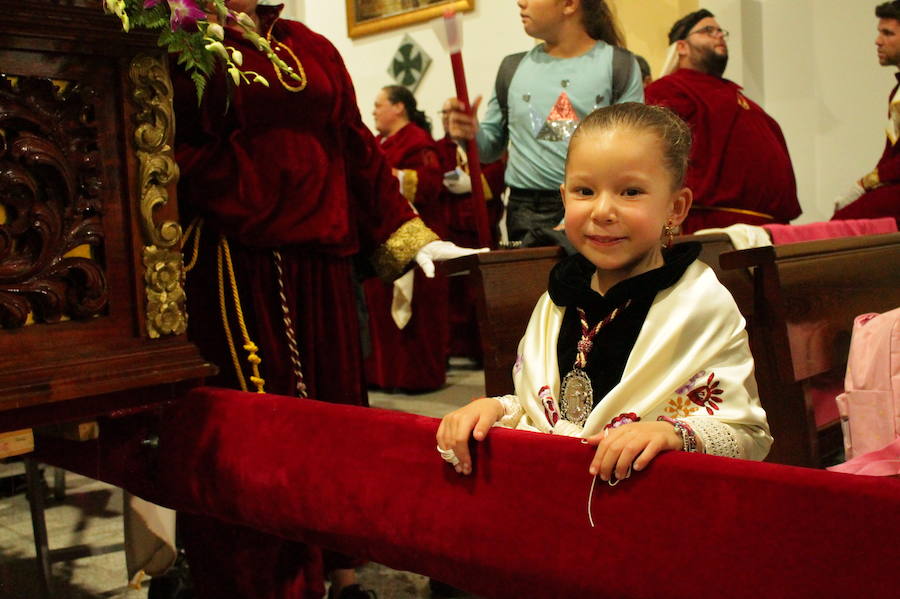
490 32
810 63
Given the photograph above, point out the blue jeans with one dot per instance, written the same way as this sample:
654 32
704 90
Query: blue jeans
529 209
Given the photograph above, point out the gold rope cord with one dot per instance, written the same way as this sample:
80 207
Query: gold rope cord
224 254
195 228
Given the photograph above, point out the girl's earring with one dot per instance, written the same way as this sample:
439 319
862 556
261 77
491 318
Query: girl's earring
668 234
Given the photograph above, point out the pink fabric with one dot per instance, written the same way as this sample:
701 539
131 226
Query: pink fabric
369 482
782 234
883 462
824 406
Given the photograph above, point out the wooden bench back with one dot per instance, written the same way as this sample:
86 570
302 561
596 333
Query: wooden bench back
805 298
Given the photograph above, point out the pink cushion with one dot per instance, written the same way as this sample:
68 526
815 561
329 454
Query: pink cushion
782 234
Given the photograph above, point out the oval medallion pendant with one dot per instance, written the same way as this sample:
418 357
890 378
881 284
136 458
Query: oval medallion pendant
576 397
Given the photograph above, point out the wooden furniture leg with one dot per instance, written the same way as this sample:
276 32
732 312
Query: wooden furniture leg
35 493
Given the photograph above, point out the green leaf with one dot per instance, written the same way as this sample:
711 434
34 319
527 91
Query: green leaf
199 80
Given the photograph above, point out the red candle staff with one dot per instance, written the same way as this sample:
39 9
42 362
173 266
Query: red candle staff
454 46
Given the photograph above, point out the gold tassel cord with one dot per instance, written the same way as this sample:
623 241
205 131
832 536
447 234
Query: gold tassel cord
220 253
249 346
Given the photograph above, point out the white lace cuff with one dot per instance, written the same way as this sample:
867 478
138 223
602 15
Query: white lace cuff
717 437
512 411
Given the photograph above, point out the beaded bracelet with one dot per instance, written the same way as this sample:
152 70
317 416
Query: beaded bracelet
688 439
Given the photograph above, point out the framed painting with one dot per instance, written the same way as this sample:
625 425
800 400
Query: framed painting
365 17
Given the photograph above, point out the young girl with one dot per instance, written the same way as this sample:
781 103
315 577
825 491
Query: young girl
634 349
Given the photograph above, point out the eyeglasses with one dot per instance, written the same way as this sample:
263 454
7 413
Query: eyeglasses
711 31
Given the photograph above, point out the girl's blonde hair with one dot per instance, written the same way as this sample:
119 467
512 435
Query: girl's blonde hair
671 130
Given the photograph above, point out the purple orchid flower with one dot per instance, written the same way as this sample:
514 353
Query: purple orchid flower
183 13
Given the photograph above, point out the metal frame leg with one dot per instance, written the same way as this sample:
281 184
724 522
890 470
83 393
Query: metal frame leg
35 493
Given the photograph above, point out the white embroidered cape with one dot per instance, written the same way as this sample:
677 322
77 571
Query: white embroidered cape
691 361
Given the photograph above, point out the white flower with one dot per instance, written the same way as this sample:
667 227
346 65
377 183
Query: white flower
215 31
245 20
237 57
235 75
218 48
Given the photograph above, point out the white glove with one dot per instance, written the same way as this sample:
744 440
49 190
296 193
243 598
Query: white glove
849 196
458 181
438 251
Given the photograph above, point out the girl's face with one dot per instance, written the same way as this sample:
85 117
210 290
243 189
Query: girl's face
618 195
541 18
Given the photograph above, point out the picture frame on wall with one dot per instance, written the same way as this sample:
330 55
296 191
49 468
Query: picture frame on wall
365 17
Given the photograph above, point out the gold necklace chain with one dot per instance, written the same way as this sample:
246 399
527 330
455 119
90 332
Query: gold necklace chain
275 44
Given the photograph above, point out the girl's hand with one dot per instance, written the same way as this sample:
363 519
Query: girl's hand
635 444
474 419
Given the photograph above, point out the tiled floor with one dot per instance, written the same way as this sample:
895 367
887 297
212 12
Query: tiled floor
88 522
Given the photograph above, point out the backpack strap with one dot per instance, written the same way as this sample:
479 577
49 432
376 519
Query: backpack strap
622 64
504 78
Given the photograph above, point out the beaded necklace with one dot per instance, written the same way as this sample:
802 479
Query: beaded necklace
276 45
577 394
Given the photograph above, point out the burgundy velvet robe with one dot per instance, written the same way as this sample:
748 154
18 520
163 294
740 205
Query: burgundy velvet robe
739 157
464 337
414 358
301 173
885 199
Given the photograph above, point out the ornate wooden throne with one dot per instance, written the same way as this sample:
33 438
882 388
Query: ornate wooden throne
92 317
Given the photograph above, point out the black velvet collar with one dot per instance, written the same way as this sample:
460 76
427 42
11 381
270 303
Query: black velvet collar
570 280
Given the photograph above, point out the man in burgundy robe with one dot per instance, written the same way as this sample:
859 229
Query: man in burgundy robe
740 170
877 194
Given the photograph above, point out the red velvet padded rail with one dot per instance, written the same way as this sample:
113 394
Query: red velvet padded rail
369 482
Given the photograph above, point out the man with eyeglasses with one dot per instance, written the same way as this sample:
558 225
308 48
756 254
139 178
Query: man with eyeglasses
740 170
877 194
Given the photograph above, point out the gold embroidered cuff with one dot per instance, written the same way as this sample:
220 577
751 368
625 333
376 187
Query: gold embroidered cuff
871 180
391 257
409 185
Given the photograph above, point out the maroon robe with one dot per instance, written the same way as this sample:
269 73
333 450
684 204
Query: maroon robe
298 172
464 338
413 358
739 159
883 200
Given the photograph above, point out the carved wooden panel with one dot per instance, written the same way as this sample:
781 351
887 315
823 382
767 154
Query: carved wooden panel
91 300
50 186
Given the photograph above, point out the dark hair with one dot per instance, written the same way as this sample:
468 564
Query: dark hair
888 10
397 94
643 65
672 131
683 26
599 22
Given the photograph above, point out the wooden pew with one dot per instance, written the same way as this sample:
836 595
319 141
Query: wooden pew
805 297
799 304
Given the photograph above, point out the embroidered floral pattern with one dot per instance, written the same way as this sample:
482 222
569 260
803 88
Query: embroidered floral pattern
705 395
520 363
688 385
622 420
680 407
549 405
